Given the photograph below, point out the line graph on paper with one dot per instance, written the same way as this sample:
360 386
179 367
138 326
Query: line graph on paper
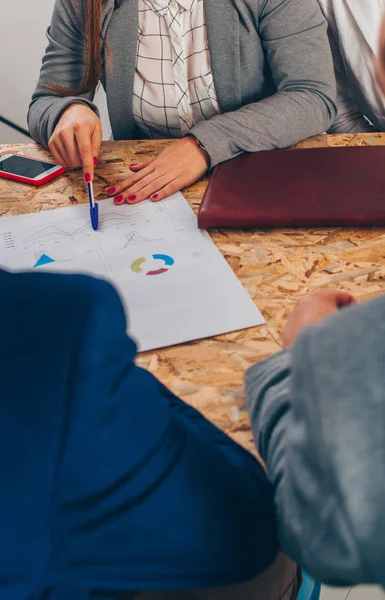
55 233
108 220
71 229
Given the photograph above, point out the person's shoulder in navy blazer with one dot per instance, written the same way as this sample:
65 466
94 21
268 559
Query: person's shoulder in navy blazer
108 481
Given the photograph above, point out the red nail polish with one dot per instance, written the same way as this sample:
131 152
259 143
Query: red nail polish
111 191
134 165
154 196
96 161
87 177
119 199
132 197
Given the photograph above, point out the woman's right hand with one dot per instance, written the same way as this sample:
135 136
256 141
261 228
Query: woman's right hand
76 139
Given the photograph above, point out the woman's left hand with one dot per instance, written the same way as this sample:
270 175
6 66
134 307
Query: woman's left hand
177 167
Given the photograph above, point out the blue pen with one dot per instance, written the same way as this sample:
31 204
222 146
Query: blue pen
94 209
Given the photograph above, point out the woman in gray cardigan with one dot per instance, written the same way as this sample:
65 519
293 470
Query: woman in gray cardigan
225 76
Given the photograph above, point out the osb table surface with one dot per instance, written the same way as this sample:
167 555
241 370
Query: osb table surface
276 267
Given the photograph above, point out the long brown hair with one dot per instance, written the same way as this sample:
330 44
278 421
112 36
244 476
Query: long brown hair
92 51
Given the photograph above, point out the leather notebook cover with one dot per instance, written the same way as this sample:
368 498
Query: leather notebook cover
320 187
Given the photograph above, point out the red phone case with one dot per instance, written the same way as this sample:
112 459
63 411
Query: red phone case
26 180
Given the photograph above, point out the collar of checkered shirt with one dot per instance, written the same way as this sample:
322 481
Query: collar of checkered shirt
186 4
162 4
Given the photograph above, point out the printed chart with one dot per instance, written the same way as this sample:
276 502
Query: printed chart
138 265
175 284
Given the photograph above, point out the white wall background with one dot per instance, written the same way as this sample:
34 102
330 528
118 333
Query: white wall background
22 43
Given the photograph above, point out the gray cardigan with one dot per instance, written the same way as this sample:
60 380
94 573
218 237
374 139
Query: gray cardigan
271 64
318 417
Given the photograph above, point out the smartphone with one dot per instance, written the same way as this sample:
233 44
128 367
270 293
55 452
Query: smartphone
28 170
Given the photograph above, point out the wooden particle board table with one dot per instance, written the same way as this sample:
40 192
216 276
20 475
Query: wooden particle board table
276 267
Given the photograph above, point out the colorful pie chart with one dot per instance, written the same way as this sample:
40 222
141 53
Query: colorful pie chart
138 266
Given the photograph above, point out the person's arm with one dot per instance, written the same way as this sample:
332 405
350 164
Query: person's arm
63 65
349 118
380 62
156 497
294 38
317 413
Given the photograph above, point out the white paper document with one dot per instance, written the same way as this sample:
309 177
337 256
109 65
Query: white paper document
175 284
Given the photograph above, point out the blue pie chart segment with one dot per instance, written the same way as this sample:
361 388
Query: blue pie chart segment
168 260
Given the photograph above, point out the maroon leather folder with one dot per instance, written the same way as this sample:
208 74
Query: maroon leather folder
320 187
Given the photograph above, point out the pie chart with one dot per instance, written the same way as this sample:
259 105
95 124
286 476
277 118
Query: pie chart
138 266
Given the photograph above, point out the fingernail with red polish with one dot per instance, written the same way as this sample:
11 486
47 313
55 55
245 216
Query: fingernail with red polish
132 197
96 161
154 196
119 199
134 165
87 177
111 191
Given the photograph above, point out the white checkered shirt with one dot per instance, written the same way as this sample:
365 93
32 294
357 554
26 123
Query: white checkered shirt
173 84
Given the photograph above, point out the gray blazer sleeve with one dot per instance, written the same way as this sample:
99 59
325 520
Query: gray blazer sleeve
318 415
63 64
294 38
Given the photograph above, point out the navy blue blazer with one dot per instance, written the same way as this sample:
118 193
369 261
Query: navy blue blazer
107 480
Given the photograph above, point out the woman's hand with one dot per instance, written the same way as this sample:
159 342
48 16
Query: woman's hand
76 139
313 308
176 167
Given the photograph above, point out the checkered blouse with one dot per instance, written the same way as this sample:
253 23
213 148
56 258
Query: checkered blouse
173 85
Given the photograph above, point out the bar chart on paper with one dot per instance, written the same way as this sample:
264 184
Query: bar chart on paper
175 284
